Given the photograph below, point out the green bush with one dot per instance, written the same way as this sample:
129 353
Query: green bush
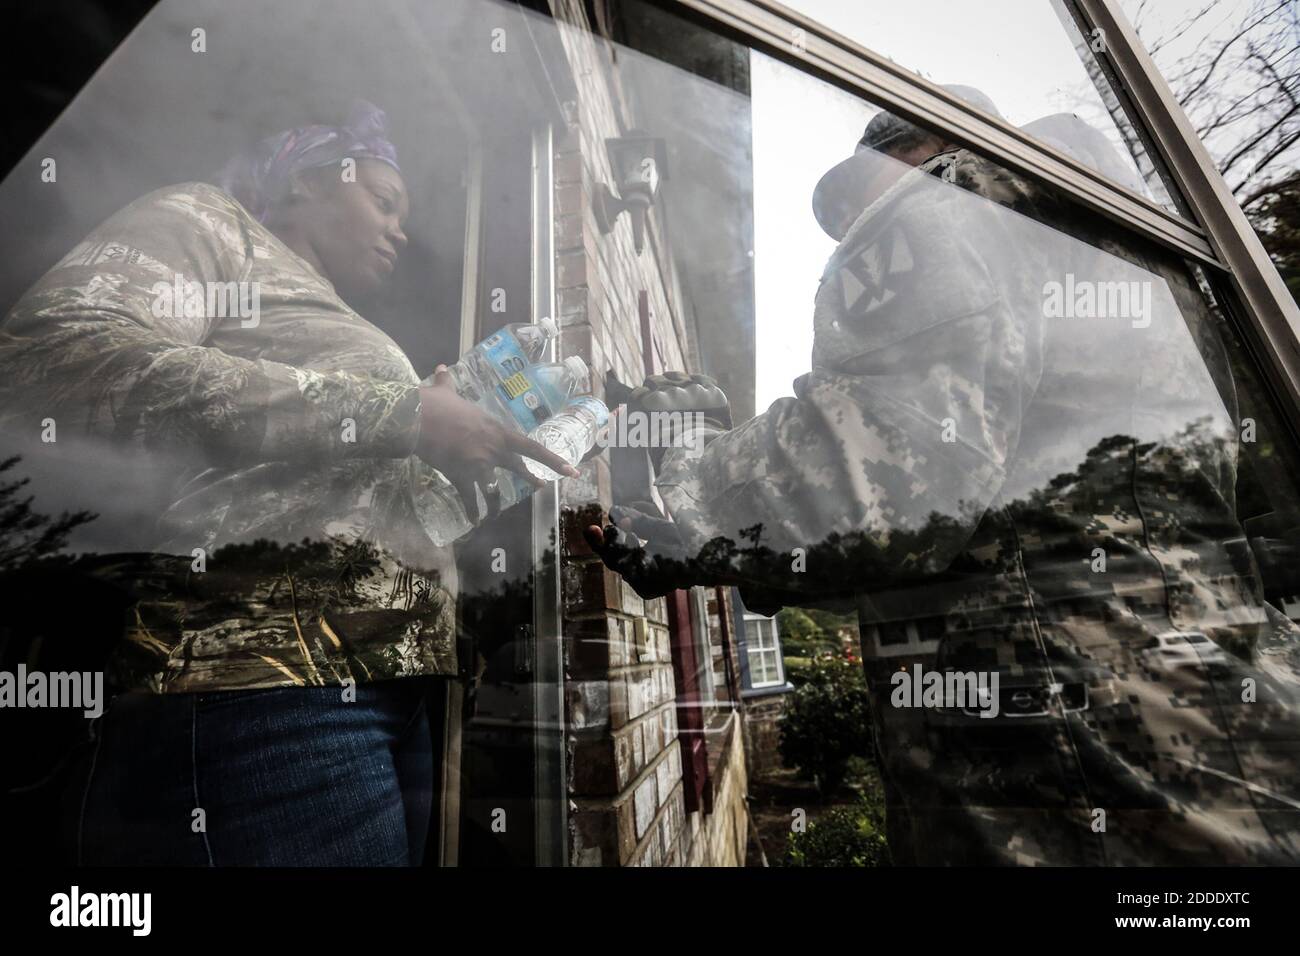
809 632
796 668
846 836
826 722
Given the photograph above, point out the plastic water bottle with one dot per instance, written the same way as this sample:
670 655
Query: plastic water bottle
570 434
520 395
552 387
529 397
501 376
503 354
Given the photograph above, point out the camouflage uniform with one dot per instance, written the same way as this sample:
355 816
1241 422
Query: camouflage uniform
281 448
1003 489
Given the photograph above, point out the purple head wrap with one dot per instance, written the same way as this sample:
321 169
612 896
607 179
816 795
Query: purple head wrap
259 177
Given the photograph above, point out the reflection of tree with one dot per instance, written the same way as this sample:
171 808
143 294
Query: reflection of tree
1240 86
323 571
1190 467
831 570
806 632
53 622
1187 477
26 536
315 611
325 588
1277 220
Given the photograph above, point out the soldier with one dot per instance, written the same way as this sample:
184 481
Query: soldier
1016 453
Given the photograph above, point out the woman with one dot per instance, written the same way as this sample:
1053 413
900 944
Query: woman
199 357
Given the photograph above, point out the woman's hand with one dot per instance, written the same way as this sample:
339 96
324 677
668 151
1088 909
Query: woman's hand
467 444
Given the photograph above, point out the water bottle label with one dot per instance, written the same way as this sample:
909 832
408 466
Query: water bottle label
518 390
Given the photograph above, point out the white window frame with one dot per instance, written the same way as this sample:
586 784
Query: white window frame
775 650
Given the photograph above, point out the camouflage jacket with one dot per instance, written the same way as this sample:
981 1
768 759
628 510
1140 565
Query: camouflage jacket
249 459
1012 481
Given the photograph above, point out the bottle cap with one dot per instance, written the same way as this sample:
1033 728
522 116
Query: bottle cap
548 326
577 368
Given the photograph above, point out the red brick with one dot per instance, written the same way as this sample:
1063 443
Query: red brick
594 836
589 588
578 340
573 305
626 823
657 610
591 646
568 140
568 201
594 769
617 701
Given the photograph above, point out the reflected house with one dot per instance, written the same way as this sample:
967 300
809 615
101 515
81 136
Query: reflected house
917 638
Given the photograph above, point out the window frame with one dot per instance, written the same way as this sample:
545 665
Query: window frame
1264 306
751 648
703 649
1218 236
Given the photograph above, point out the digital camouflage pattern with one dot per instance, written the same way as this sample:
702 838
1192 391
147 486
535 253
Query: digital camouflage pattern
1001 487
280 447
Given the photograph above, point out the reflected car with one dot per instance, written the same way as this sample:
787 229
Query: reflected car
1028 694
1178 650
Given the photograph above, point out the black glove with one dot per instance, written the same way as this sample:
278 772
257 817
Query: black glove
686 394
645 549
680 392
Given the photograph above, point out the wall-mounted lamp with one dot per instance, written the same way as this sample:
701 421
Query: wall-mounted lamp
639 163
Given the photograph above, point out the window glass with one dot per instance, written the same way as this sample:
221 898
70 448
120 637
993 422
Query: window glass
706 649
1019 442
1027 56
246 253
764 652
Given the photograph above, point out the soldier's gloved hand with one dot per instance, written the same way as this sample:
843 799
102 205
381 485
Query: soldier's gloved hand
645 520
645 549
685 394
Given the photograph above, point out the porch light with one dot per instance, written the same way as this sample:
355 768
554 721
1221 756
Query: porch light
639 163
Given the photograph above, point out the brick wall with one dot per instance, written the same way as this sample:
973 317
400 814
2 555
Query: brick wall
719 839
625 764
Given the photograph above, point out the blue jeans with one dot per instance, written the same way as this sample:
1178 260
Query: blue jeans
283 777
